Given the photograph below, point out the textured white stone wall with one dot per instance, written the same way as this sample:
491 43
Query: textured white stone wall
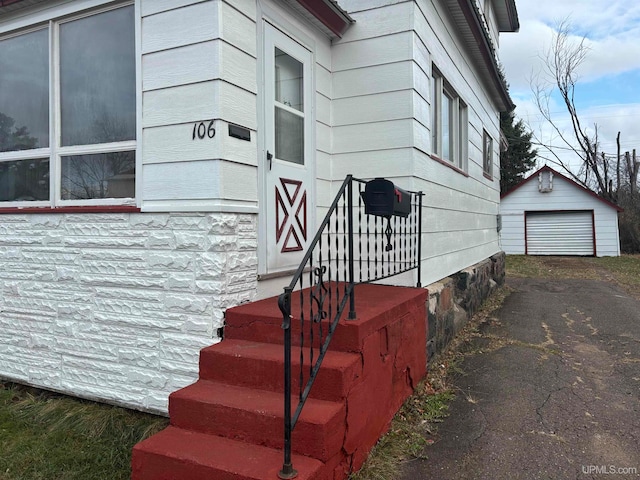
116 307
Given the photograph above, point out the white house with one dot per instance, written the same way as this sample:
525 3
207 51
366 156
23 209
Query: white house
550 214
150 150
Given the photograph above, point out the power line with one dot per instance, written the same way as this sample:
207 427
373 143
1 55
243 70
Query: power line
543 118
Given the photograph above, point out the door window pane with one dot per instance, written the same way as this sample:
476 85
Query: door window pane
104 175
289 81
24 180
24 91
289 129
97 78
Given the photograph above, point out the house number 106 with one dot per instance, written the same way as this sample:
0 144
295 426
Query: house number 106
201 130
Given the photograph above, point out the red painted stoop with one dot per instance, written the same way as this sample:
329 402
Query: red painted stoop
229 424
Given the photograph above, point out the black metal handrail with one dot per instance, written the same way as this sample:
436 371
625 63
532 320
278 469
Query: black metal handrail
329 267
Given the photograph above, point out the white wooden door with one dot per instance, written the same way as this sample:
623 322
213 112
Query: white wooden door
289 167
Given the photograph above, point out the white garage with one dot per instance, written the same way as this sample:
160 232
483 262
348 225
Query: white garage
550 214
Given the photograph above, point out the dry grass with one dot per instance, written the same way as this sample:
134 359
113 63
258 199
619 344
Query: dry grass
44 436
623 270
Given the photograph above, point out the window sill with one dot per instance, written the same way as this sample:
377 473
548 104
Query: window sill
78 209
487 176
449 164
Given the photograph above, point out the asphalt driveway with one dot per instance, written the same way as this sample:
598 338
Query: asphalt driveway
550 390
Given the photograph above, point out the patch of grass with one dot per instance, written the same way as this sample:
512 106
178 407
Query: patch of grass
407 437
552 267
523 266
49 436
623 270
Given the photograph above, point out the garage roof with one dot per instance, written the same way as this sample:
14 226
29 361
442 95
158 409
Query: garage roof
558 174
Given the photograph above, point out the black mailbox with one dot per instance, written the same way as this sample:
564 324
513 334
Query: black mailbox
382 198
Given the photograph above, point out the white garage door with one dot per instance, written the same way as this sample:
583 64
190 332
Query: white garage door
560 233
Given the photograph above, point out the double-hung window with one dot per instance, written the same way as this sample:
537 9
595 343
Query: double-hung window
449 123
68 112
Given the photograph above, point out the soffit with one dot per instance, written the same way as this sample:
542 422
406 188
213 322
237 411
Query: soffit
507 15
468 19
7 6
326 15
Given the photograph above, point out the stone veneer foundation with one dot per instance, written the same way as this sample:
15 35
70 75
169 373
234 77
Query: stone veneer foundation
454 300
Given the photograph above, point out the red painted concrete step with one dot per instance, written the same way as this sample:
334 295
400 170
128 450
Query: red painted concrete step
256 416
376 305
176 454
261 366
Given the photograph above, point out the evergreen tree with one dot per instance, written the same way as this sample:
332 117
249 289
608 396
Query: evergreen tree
14 138
519 157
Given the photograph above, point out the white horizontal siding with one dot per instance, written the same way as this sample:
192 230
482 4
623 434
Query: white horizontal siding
373 108
198 65
183 180
373 79
448 262
151 7
191 24
238 26
323 109
197 102
378 22
246 7
182 65
323 138
388 163
373 51
361 6
324 81
173 143
199 62
512 233
373 136
382 124
200 180
323 166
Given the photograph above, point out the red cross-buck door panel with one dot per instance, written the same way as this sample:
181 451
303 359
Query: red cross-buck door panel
291 216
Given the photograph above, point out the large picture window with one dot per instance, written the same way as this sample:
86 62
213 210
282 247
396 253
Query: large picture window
68 112
449 123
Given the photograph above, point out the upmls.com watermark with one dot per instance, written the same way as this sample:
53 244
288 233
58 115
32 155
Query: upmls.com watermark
609 470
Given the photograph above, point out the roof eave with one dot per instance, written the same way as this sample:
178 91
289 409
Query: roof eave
482 49
507 15
332 18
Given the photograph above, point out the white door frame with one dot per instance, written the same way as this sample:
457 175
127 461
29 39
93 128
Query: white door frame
271 19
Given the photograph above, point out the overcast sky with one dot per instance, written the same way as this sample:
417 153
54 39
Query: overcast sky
608 92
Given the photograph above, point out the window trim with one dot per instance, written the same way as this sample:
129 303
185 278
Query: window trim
458 124
52 19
